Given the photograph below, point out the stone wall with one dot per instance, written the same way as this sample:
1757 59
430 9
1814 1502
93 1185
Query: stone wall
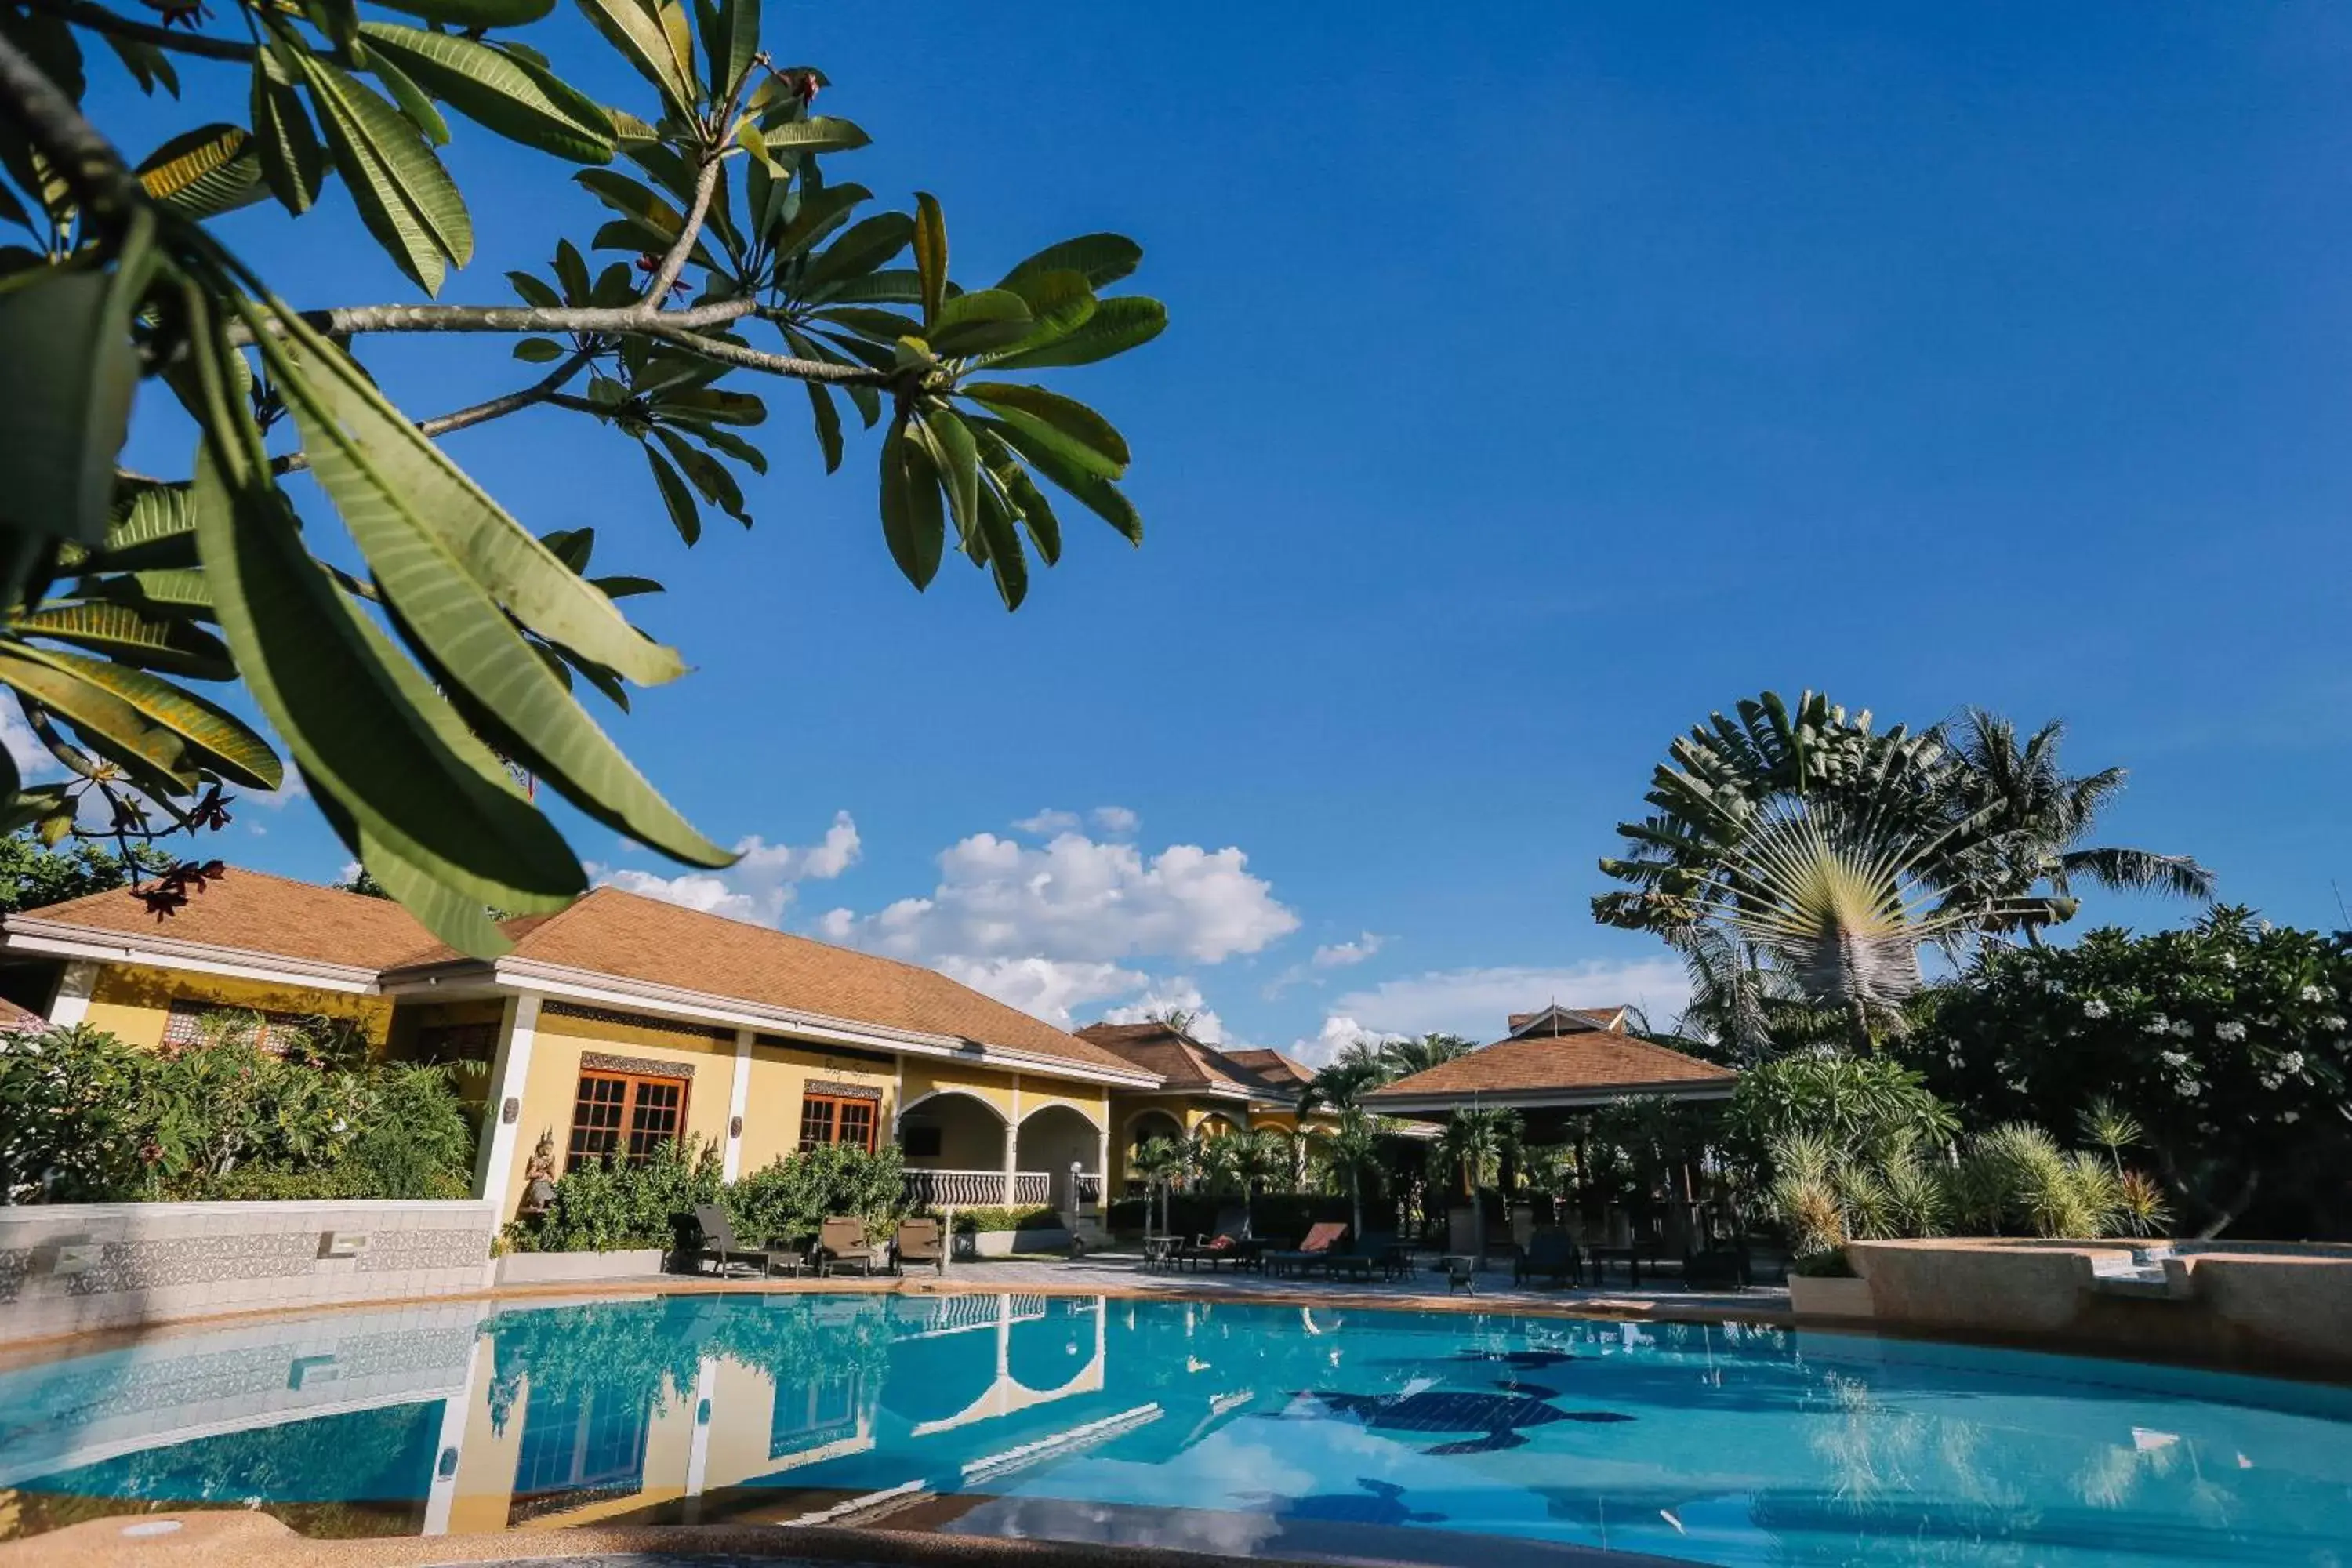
74 1268
2254 1307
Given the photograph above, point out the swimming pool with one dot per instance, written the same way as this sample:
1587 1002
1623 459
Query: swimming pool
1232 1426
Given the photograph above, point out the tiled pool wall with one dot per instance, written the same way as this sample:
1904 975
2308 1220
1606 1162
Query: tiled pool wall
78 1268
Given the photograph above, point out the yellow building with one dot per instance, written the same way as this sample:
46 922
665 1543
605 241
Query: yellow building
1204 1091
620 1022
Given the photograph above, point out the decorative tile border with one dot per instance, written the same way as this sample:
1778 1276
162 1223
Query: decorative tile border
644 1066
841 1090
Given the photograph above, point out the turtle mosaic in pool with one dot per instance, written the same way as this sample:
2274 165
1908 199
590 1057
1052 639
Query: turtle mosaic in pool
1236 1427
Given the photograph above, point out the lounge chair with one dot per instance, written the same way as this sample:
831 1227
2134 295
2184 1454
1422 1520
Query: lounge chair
1321 1241
1550 1255
842 1240
715 1242
920 1240
1223 1248
1393 1259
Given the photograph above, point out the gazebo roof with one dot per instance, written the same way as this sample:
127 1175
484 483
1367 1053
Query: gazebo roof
1572 1068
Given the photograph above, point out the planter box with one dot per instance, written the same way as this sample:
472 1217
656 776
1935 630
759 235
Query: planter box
1005 1243
566 1267
1822 1296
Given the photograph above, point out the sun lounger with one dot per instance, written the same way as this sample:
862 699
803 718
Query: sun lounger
842 1240
920 1241
715 1243
1321 1241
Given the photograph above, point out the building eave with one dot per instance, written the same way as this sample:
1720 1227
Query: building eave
51 938
587 986
1440 1103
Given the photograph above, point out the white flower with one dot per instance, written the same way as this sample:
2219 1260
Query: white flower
2173 1059
2095 1009
2158 1025
339 1125
2290 1117
2181 1029
2230 961
2291 1062
2332 1023
2272 1080
2313 994
2233 1031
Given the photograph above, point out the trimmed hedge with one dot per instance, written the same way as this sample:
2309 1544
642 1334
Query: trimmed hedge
968 1222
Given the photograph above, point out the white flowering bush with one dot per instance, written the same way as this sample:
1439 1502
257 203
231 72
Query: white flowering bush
2224 1041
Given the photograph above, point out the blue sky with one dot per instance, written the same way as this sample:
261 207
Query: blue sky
1540 378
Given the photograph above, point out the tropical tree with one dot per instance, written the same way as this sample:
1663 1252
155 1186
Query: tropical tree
1351 1147
408 663
1475 1140
1160 1164
34 874
1825 850
2039 816
1259 1159
1407 1055
1338 1083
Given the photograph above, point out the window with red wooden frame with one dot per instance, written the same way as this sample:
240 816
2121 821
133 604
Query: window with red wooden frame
838 1118
624 1113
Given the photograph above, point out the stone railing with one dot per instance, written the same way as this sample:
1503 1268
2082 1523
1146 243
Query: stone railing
937 1189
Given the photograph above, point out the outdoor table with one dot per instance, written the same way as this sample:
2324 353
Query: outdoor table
1631 1256
1160 1251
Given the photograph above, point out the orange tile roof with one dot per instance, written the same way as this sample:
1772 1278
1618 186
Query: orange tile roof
607 933
632 937
1182 1061
253 911
1272 1065
1593 1017
1581 1064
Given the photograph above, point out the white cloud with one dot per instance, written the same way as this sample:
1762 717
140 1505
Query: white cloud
1181 995
24 749
1116 819
292 789
1076 899
1048 988
1338 1032
1344 955
758 887
1047 823
1475 1002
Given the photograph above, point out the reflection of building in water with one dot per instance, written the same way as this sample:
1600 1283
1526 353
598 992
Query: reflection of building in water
938 1363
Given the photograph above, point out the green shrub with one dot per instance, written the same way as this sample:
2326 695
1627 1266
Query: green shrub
85 1117
971 1221
613 1205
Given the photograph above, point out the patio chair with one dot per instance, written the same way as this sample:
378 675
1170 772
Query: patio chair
1550 1254
842 1239
920 1240
715 1242
1321 1241
1391 1256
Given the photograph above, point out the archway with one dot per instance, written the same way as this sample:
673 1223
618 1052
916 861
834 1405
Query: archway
953 1144
1053 1139
1141 1127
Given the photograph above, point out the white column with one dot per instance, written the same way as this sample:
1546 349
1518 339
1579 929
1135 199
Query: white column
442 1492
509 1071
1013 1144
74 986
739 1100
1102 1164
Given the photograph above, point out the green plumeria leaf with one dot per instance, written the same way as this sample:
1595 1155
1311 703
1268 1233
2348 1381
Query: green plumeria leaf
930 241
205 171
405 196
498 92
1114 327
1088 438
126 632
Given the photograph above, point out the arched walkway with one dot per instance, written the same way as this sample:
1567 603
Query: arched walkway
1141 1127
959 1138
1053 1139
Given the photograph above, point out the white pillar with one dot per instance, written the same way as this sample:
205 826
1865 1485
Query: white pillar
509 1071
443 1491
74 986
1102 1164
1012 1144
739 1100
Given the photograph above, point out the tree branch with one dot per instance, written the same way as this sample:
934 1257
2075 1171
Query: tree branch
98 19
88 163
705 184
544 389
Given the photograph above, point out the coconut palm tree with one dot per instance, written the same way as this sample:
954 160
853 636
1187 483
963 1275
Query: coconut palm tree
1418 1053
1350 1148
1473 1144
1159 1163
2039 816
1337 1084
1259 1159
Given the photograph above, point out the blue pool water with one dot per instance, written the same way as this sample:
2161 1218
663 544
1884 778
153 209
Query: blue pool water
1236 1427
